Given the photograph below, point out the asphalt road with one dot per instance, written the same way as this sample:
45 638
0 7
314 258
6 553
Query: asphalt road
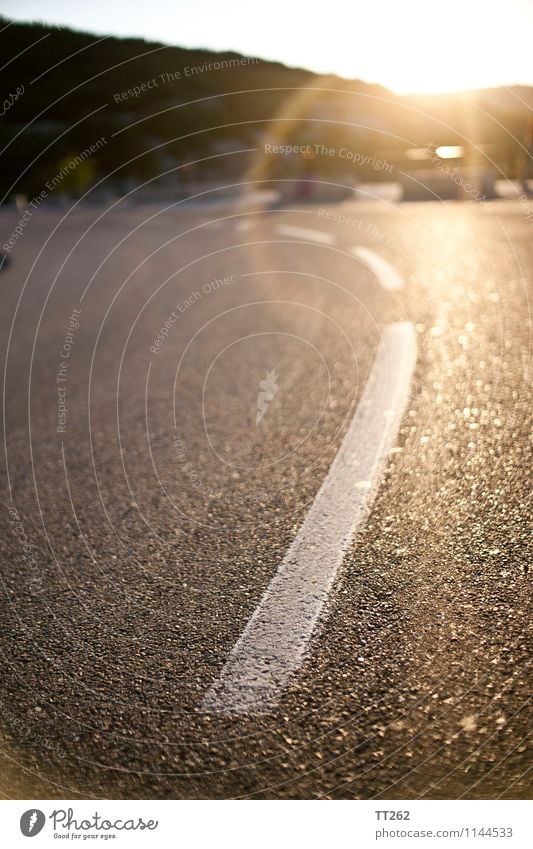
140 537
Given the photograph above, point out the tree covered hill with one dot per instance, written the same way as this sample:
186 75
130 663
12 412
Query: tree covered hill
159 106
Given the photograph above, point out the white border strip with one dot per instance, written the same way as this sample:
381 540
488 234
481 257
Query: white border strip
275 640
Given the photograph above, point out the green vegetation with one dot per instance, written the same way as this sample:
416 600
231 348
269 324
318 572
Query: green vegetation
171 106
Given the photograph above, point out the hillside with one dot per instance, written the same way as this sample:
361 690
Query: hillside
169 105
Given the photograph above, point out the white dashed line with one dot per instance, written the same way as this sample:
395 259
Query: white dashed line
244 226
274 642
387 275
319 236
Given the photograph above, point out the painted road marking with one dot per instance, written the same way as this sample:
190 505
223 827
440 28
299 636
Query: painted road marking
273 644
387 275
244 226
319 236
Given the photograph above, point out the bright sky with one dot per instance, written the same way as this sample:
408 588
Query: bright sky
410 46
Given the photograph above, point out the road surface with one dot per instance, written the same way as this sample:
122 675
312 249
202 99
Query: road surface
265 530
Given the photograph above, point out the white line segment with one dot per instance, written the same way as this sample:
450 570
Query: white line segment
387 275
319 236
274 642
244 226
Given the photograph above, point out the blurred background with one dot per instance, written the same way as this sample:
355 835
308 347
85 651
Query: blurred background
175 120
